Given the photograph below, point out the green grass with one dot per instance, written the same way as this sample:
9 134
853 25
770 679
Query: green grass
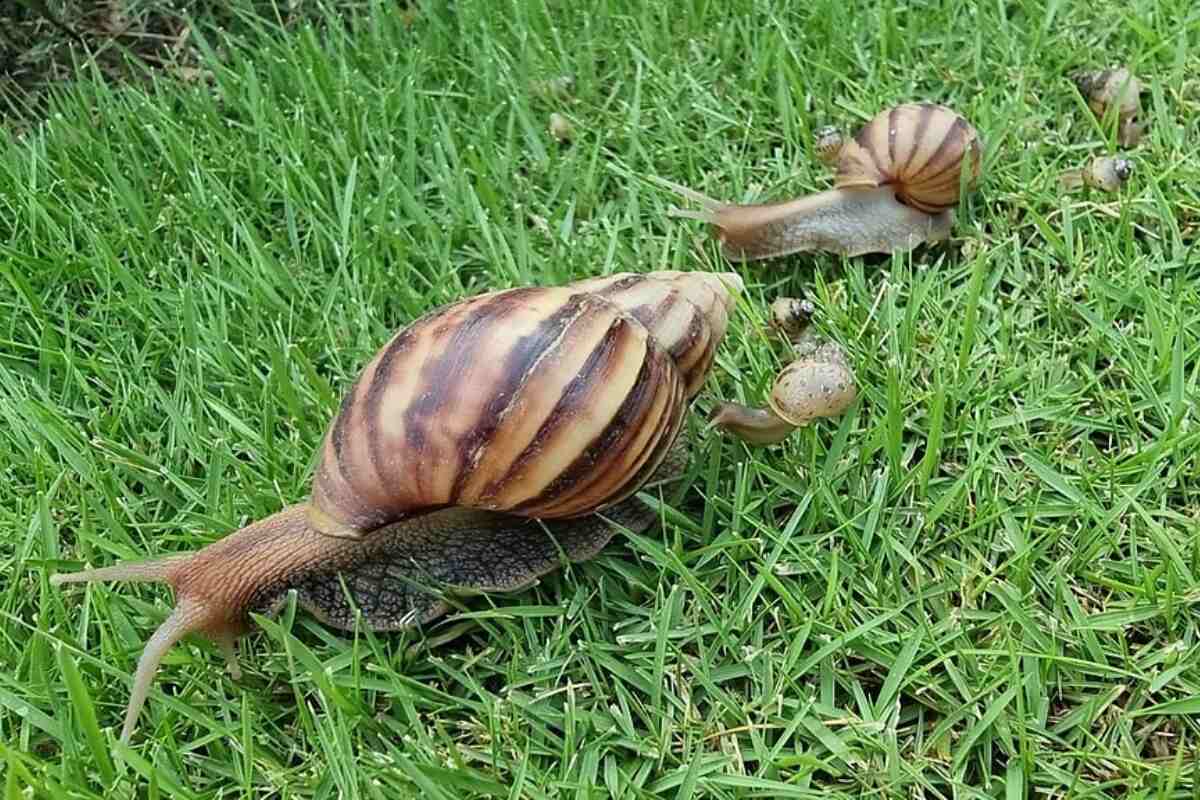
981 582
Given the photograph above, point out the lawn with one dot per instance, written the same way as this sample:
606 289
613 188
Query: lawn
982 581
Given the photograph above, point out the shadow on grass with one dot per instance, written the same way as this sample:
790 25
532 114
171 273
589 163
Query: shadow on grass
47 43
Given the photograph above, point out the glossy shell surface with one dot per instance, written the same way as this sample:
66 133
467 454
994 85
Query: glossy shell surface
547 402
920 148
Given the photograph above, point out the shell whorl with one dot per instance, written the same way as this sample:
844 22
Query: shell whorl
686 312
547 402
920 148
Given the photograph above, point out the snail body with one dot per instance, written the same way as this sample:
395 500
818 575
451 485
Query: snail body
1106 173
897 182
474 433
818 383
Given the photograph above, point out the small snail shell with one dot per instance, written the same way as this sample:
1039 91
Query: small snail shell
561 128
469 435
1106 173
791 316
1106 88
897 182
820 384
828 142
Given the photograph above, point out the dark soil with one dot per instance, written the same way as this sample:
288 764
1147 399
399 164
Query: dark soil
45 43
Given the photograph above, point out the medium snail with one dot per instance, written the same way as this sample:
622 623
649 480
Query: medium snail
477 442
1106 173
818 384
1106 88
897 182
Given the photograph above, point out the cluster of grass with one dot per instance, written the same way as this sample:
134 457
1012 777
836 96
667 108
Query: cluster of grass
44 43
981 582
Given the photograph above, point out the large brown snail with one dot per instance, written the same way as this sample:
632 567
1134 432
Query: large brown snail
897 183
480 440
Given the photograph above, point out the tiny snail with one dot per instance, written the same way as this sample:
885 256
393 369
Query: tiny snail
479 440
897 182
1106 173
828 142
1116 86
818 384
791 316
561 128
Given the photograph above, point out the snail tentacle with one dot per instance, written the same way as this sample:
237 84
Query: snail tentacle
476 431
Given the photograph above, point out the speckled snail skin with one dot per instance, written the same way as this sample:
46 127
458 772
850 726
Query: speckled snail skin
897 183
474 433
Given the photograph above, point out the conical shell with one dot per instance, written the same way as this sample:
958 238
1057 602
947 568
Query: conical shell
546 402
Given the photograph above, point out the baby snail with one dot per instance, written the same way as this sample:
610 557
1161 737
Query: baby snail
561 128
818 384
1105 173
896 185
828 142
1118 87
790 316
478 441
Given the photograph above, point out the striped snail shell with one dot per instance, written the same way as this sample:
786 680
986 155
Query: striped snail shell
470 455
896 184
547 402
919 149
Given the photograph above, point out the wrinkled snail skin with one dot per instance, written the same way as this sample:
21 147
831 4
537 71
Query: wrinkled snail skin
474 432
897 183
815 386
1106 173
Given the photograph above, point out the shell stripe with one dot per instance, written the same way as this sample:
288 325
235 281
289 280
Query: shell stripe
578 394
592 478
670 426
338 434
524 357
925 116
632 449
948 150
874 151
442 377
